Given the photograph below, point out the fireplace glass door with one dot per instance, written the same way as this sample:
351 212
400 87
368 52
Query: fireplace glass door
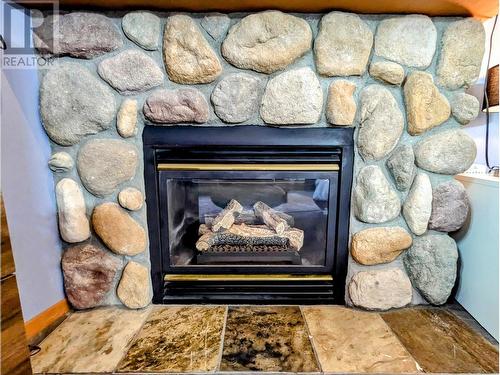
247 221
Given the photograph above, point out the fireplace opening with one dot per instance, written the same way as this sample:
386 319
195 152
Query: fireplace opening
248 213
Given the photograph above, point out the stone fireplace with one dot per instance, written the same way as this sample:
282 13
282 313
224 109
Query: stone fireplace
119 81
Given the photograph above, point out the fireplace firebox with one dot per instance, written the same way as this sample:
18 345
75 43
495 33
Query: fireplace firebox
248 214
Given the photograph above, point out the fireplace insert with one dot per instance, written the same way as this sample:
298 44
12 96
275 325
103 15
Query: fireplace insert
248 214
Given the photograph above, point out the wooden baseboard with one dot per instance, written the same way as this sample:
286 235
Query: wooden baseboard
43 320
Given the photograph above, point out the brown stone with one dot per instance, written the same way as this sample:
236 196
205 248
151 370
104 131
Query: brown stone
88 274
426 107
174 106
341 106
122 234
379 245
134 290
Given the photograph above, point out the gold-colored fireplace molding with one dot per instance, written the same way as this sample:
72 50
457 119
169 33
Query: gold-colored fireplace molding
253 277
246 167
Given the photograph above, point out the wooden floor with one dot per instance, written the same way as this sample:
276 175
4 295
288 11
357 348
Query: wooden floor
270 339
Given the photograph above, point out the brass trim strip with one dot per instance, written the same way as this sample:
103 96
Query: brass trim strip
256 277
246 167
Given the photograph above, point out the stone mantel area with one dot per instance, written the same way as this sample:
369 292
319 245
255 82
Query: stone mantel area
399 80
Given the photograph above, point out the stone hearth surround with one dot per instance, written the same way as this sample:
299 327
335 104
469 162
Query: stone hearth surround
399 80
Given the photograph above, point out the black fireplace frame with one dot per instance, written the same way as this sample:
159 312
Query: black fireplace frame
160 141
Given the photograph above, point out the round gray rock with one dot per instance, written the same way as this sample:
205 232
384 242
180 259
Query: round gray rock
462 50
216 24
267 41
80 34
401 164
143 28
237 97
103 164
71 211
464 107
381 123
418 204
174 106
374 200
450 207
431 263
130 72
292 97
408 40
74 103
61 162
343 45
449 152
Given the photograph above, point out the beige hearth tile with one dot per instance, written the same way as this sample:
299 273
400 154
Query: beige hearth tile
348 340
89 341
177 339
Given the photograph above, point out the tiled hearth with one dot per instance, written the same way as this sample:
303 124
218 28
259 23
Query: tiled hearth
239 339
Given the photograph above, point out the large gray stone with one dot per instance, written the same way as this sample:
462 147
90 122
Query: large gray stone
267 41
408 40
374 200
380 289
174 106
431 263
343 45
188 57
237 97
381 123
88 273
130 72
292 97
80 34
449 152
450 207
426 107
71 211
74 103
418 204
216 24
464 107
103 164
61 162
387 71
143 28
461 55
401 164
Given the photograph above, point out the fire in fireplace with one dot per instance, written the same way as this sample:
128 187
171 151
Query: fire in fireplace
248 213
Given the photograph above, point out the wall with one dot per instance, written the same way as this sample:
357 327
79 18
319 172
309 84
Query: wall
28 191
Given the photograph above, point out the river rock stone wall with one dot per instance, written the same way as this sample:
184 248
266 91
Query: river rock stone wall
399 80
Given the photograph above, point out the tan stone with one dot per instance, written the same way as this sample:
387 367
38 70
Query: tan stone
267 41
379 245
131 199
188 57
387 71
126 119
426 107
134 290
122 234
73 223
380 289
340 106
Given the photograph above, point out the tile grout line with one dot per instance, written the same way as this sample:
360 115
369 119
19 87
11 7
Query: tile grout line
132 339
311 340
222 336
419 368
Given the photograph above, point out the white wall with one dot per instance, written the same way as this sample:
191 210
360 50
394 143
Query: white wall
28 192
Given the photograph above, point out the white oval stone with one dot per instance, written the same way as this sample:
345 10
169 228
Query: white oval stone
73 222
343 45
126 119
380 289
292 97
408 40
267 41
417 208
